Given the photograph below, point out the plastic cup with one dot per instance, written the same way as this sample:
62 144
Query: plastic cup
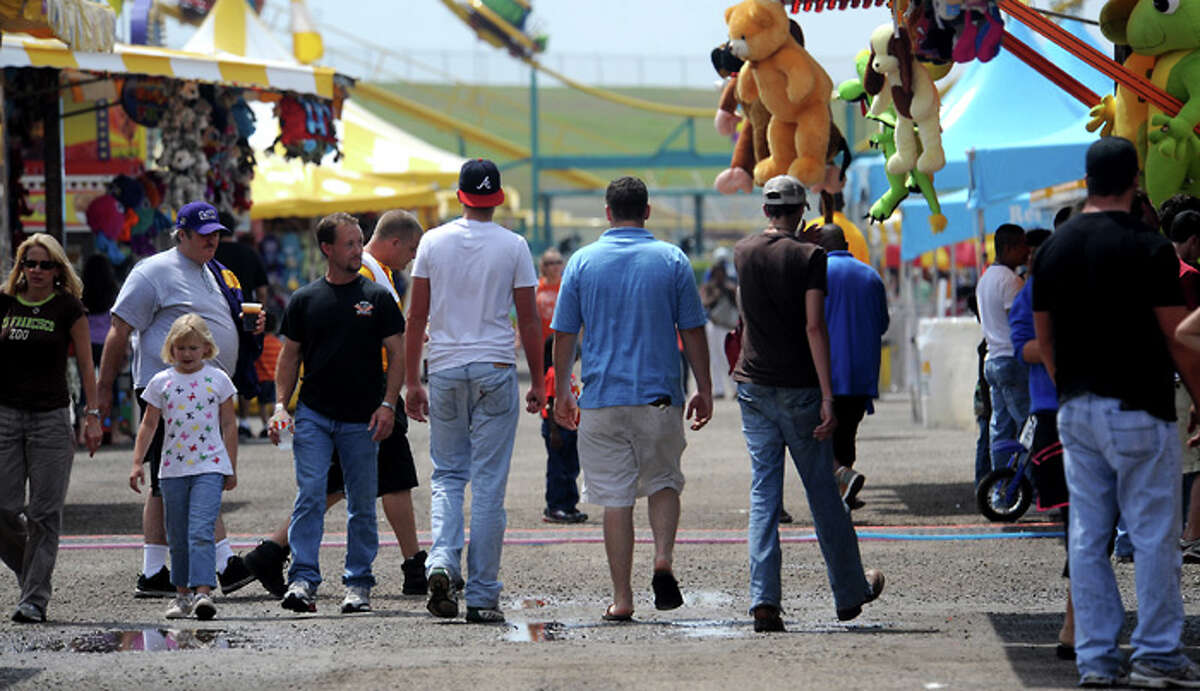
250 312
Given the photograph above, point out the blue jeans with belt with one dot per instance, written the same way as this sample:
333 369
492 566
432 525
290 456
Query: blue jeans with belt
1127 463
778 418
473 413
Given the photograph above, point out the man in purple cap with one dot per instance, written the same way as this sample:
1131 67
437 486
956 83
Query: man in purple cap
468 275
159 290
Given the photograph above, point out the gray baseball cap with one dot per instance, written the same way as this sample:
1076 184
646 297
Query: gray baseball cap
782 190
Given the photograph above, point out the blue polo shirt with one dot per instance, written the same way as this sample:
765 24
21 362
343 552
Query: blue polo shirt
1043 398
856 316
629 293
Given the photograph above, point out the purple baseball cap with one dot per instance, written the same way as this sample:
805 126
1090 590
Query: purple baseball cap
200 218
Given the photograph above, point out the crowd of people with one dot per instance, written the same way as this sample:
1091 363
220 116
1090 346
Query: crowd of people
792 317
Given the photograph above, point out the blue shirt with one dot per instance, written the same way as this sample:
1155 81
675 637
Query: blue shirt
628 293
856 316
1043 398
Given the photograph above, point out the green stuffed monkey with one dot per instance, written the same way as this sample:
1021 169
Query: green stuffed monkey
899 186
1169 30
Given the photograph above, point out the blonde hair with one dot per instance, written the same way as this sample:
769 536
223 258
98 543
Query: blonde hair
67 280
190 324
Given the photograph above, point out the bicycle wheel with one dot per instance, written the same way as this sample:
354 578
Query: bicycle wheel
1003 496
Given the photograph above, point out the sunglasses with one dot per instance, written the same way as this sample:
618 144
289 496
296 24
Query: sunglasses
44 265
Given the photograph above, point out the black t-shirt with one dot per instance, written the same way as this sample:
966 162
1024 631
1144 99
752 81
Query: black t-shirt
1100 276
33 351
774 272
245 263
340 329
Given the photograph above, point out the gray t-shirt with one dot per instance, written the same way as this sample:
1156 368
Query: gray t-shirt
159 290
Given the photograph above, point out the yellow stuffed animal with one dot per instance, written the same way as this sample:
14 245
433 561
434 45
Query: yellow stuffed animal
790 83
893 77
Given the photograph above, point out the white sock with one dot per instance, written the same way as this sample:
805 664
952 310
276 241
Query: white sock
154 558
224 554
243 421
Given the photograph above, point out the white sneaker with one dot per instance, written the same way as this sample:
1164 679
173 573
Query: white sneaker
203 607
181 607
358 599
301 596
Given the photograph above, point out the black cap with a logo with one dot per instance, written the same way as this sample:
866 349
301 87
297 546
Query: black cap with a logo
479 184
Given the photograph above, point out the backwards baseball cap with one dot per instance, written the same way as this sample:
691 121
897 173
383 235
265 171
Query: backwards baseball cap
200 218
783 190
479 184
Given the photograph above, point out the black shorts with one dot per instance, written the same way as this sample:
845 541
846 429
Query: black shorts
849 411
1046 453
153 452
397 470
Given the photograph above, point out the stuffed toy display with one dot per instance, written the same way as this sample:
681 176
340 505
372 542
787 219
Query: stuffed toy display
1123 113
750 145
1169 31
306 129
790 83
895 79
899 184
955 30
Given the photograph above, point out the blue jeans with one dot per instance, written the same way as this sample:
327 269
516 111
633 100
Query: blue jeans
1126 462
562 468
316 438
775 418
1008 380
983 450
191 505
473 413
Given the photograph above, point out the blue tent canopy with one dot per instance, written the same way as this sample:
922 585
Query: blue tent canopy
962 220
999 172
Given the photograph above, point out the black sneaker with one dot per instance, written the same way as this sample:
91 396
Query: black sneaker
244 432
785 517
415 582
875 581
301 597
158 585
484 615
767 619
235 576
561 516
443 596
266 562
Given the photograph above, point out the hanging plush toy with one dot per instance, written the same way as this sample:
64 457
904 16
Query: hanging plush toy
898 185
894 77
1168 30
790 83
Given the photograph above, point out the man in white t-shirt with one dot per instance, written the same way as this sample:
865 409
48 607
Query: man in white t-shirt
1007 376
468 274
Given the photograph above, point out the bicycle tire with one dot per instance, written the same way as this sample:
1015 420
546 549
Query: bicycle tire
990 496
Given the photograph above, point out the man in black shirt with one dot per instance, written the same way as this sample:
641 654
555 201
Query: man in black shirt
1112 348
785 390
336 326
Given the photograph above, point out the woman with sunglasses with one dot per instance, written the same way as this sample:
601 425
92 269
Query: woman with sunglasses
40 317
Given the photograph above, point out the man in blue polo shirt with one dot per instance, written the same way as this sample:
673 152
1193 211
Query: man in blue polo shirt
630 294
856 315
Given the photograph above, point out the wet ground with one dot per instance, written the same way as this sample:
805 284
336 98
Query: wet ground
968 603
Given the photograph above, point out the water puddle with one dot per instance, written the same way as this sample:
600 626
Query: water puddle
146 640
710 629
536 632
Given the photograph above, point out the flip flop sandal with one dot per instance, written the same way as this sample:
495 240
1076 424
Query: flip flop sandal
610 616
666 591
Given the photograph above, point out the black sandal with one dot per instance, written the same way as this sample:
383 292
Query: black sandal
666 591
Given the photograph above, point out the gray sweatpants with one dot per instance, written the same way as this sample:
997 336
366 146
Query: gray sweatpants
36 449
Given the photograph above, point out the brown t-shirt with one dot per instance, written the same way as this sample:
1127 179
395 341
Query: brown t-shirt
774 272
33 351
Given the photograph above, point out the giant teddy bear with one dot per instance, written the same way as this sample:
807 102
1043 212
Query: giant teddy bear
790 83
1169 31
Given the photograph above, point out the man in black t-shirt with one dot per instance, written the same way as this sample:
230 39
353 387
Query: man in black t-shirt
1109 346
336 326
785 390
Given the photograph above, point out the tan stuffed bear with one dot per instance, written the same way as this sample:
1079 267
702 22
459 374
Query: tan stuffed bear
790 83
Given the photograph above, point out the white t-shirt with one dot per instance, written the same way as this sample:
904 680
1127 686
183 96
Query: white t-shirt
159 290
473 268
995 292
190 406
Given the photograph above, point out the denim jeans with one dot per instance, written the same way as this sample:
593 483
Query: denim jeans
36 451
983 450
191 505
473 413
1124 461
775 418
1008 380
562 468
316 438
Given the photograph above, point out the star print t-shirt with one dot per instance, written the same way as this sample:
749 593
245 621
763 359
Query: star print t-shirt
190 406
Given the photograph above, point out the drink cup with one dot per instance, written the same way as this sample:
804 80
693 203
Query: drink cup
250 312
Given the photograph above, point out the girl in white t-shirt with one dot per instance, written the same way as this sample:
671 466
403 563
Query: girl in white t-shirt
194 400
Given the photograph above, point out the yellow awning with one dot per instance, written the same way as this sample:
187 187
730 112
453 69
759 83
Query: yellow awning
284 188
24 51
